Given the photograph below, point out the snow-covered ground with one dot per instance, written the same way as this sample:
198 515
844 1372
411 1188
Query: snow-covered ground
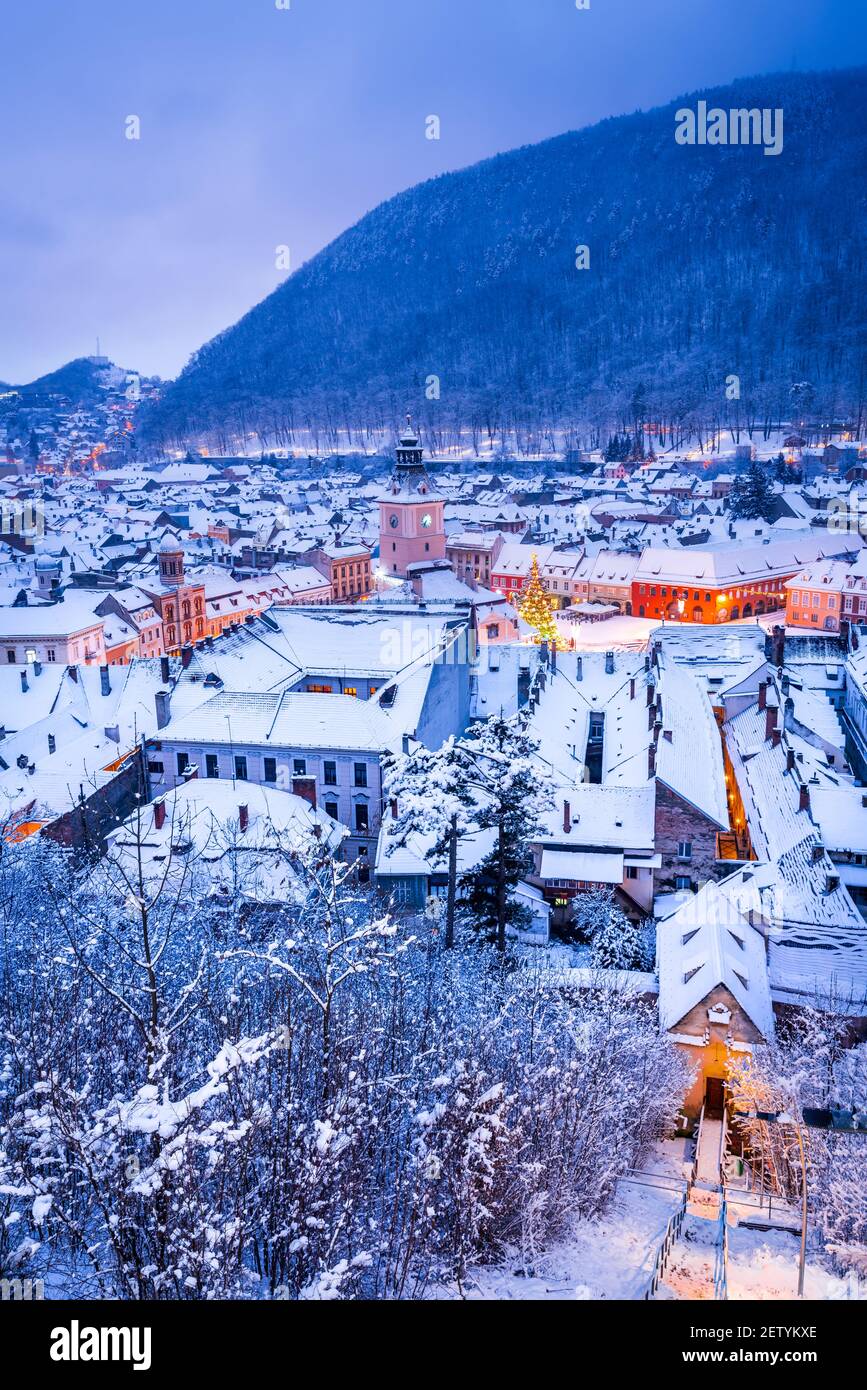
610 634
625 632
613 1258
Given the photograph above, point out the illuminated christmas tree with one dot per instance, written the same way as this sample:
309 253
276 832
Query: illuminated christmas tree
536 606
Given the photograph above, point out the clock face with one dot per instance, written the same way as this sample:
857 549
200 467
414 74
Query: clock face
392 520
426 519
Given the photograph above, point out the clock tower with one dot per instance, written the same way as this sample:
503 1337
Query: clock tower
411 526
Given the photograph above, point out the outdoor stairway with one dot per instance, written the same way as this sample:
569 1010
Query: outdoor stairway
704 1194
689 1271
690 1262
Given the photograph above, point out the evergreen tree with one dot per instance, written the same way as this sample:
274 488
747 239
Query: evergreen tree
503 780
536 606
636 449
751 496
616 942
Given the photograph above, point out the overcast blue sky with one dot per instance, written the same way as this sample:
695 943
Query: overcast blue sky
262 127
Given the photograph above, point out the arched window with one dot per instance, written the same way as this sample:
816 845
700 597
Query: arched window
170 613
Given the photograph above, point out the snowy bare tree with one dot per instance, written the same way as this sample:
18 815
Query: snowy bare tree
428 789
346 1112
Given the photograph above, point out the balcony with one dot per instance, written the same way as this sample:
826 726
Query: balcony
733 847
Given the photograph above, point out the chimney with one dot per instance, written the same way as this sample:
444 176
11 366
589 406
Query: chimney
164 670
778 646
609 663
163 701
159 814
785 683
651 692
770 722
191 772
37 668
52 744
763 694
651 716
804 797
24 686
73 672
104 682
651 760
579 669
186 656
393 804
776 738
790 760
657 730
632 687
305 787
567 818
243 818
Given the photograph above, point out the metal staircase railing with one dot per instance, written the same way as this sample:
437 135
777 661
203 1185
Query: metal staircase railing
672 1231
721 1255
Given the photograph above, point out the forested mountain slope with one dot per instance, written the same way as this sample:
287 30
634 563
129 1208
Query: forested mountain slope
705 262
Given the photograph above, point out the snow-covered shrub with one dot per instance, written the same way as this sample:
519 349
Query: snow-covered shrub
214 1100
